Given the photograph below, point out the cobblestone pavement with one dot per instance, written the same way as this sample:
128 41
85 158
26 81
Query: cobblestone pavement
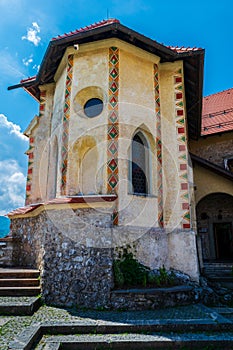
12 326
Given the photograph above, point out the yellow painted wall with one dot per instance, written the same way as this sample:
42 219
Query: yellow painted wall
208 182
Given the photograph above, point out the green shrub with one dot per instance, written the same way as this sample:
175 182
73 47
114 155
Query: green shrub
129 272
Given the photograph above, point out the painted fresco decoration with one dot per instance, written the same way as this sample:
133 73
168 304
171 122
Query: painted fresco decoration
182 149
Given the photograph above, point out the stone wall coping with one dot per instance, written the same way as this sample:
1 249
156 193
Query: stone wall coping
6 239
174 289
73 202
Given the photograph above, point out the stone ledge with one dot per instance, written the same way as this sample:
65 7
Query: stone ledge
153 298
33 334
169 290
20 307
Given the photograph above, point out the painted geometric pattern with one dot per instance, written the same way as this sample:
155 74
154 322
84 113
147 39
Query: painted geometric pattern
158 147
30 169
30 151
113 126
42 103
182 149
66 119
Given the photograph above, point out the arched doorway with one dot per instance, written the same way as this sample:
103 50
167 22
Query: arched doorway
215 226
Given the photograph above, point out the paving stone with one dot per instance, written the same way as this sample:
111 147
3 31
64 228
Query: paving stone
187 314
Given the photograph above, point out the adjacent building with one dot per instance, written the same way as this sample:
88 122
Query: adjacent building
212 157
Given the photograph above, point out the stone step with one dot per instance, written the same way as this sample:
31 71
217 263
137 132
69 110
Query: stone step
19 291
114 335
133 341
7 273
19 282
19 306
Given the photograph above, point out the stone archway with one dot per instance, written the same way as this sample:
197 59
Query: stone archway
215 226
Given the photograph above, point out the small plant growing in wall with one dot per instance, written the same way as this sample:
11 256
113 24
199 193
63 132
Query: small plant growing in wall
129 272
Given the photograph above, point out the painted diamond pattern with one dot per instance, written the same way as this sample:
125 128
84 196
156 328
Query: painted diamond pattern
114 73
158 146
112 148
113 164
113 180
113 116
114 87
31 157
113 101
182 149
114 59
66 117
113 131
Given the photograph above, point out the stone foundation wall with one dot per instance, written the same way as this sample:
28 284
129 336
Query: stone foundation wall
6 251
75 249
72 251
151 299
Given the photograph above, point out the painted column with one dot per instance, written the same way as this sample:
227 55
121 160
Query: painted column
66 119
113 127
182 149
158 147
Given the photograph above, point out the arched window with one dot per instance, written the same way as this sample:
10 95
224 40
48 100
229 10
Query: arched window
140 164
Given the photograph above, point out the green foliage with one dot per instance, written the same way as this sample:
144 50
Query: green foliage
164 278
129 272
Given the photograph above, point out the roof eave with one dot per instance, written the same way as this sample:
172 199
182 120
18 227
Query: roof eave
57 47
212 167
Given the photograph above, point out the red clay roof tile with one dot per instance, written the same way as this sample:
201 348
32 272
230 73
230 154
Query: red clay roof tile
217 113
64 200
29 79
181 49
90 27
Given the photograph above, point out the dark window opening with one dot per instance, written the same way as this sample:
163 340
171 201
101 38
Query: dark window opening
230 164
93 107
139 165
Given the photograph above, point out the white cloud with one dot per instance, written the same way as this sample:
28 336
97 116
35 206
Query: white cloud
13 128
13 165
32 34
12 186
36 67
28 61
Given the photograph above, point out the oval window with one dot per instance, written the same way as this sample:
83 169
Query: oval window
93 107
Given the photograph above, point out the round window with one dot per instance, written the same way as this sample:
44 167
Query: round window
93 107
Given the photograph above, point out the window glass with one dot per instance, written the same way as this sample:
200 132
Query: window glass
93 107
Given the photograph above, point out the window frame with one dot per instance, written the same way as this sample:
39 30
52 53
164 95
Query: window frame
146 145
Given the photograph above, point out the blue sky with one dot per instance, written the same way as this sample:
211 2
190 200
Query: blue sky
27 26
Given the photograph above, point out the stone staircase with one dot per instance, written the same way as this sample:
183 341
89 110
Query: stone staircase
19 282
219 273
19 291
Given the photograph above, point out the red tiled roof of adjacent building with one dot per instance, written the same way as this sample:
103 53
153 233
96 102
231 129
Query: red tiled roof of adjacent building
217 113
64 200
